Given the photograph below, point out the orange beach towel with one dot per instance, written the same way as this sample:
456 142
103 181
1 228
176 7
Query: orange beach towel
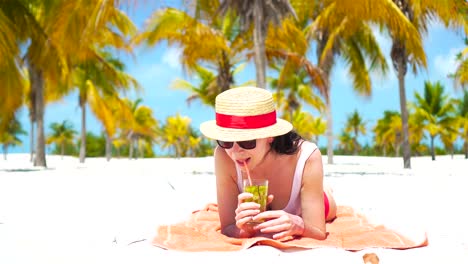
349 231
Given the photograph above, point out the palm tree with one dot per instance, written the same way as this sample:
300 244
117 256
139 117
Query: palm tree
462 114
55 35
9 137
435 110
460 76
62 134
204 39
287 49
342 28
259 14
113 112
346 142
98 80
450 135
206 90
141 127
178 134
355 126
30 46
306 125
387 132
420 14
293 91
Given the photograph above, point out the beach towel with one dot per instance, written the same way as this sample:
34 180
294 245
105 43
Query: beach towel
350 231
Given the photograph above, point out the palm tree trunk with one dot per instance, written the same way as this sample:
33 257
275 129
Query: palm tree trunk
108 147
224 78
400 63
326 65
355 146
466 150
5 148
31 141
83 131
130 150
259 44
329 131
432 148
32 119
37 83
404 116
62 149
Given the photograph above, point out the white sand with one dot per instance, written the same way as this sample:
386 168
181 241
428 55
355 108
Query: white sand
92 212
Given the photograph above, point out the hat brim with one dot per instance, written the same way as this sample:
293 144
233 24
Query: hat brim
213 131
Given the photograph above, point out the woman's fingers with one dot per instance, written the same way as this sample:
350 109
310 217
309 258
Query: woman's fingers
242 197
240 214
245 211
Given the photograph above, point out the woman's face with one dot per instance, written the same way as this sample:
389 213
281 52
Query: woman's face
252 157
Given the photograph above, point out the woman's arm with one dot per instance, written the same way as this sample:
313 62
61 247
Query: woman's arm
228 195
313 209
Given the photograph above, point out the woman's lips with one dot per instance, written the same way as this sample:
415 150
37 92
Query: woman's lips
242 161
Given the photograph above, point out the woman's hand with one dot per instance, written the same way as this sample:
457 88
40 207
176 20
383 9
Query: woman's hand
246 211
280 223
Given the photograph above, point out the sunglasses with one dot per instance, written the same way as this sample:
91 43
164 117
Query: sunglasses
249 144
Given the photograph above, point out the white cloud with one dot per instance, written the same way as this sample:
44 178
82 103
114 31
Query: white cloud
171 57
445 64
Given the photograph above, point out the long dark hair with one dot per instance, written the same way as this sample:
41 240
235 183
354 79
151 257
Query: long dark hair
287 143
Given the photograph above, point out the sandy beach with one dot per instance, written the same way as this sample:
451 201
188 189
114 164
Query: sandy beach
107 212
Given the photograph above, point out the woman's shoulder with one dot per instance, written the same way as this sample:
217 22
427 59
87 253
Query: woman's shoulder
308 144
223 163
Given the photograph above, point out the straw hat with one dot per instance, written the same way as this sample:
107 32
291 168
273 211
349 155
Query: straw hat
245 113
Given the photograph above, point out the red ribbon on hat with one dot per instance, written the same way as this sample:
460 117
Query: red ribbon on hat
246 122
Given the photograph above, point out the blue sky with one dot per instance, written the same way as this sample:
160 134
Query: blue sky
155 68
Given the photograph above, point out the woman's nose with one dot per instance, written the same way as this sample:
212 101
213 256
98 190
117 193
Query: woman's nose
236 147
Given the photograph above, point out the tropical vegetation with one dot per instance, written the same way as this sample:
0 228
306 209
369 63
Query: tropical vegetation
53 49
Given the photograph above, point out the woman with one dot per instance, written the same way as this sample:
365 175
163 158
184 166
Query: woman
253 142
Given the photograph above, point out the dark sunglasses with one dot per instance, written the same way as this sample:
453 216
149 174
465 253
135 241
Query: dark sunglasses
249 144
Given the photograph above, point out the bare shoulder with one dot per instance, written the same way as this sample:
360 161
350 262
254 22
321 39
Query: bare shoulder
223 163
221 157
314 166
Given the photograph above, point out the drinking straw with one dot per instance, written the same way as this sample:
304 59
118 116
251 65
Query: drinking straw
248 173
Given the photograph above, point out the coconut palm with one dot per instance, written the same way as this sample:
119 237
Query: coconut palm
62 134
346 142
98 80
30 46
112 112
178 135
294 91
420 13
306 125
355 126
460 76
141 127
206 90
436 111
387 132
462 114
342 28
204 39
258 14
450 135
10 137
53 36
